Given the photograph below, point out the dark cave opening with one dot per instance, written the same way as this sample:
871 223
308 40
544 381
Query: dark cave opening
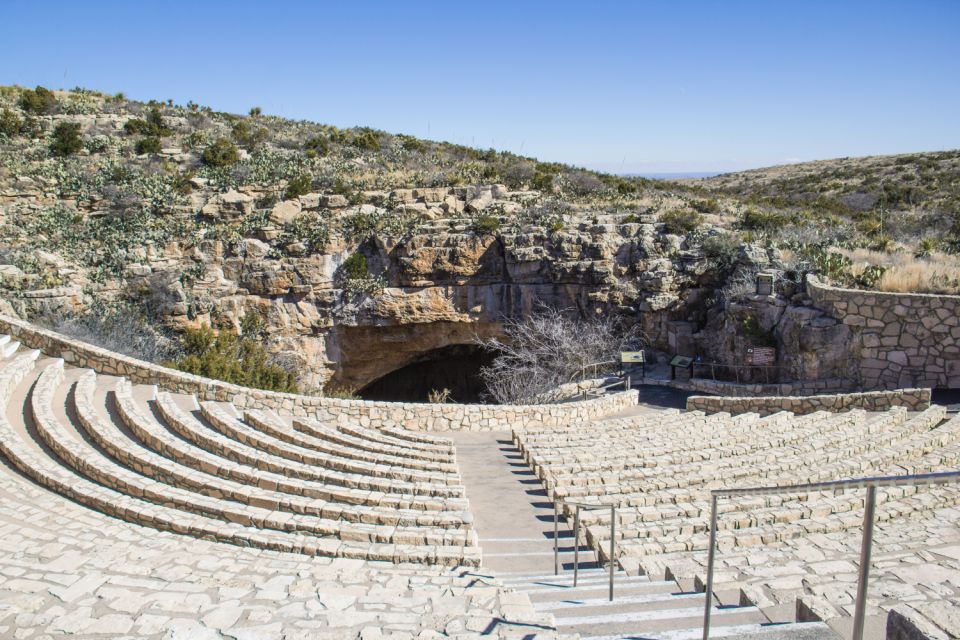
455 367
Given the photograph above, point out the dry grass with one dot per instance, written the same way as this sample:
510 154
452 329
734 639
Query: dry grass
940 273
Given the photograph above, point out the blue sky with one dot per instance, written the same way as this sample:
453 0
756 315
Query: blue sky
620 86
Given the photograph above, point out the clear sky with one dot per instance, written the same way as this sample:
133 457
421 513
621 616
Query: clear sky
639 86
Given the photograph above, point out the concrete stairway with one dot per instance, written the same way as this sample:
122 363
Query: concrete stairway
644 608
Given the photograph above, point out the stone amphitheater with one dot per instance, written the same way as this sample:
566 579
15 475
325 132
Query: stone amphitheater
139 502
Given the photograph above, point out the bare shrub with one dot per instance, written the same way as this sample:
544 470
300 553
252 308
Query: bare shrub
550 348
119 328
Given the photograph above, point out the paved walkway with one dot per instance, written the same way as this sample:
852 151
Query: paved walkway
513 515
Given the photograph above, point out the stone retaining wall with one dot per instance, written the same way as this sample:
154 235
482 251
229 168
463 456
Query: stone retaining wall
418 417
912 399
800 388
899 339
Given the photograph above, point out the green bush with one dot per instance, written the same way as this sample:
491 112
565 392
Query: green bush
298 186
355 267
154 125
366 139
66 139
220 153
757 335
316 147
247 135
756 220
256 112
231 358
722 252
681 221
486 224
150 144
10 124
706 206
38 101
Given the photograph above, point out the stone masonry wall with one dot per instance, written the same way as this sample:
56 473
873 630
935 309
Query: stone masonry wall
899 340
418 417
912 399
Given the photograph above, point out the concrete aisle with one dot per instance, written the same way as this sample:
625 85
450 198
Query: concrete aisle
513 515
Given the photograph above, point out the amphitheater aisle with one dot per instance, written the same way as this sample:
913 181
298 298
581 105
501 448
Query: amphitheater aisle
512 514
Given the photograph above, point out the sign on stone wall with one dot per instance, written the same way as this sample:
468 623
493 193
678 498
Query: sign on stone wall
757 356
632 357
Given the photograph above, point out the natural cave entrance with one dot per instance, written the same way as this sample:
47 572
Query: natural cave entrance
455 367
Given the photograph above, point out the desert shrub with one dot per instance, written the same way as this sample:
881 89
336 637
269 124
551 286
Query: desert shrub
764 221
220 153
10 124
409 143
255 112
150 144
549 348
118 327
154 125
722 252
247 135
316 147
681 221
582 183
311 231
235 359
66 139
298 186
366 139
543 177
486 224
706 206
38 101
355 267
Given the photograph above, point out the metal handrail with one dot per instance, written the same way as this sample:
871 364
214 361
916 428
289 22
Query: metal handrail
576 539
583 368
866 546
622 380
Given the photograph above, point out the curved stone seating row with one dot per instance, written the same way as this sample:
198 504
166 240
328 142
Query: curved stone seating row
367 449
417 441
916 437
879 431
188 427
95 441
87 460
167 468
228 425
706 450
163 441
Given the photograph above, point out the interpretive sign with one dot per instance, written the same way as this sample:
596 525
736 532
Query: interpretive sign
758 356
632 357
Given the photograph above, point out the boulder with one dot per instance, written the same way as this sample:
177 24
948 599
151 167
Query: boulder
230 205
285 212
334 201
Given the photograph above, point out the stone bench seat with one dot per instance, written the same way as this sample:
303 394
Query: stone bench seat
693 540
39 467
87 460
279 427
693 518
879 431
393 435
918 438
230 426
187 426
700 447
273 427
163 468
149 431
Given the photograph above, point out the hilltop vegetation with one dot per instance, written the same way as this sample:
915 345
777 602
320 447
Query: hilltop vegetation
195 218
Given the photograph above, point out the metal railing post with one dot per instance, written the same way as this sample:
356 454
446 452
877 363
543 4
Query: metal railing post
613 533
576 545
556 550
864 574
627 385
708 606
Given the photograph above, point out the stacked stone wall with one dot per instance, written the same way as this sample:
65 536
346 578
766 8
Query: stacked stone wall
415 416
912 399
899 340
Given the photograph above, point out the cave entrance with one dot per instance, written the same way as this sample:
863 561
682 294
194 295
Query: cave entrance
455 367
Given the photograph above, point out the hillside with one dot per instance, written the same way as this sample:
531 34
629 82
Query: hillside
350 254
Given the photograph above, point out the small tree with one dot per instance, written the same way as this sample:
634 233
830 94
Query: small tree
38 101
10 124
66 139
550 348
150 144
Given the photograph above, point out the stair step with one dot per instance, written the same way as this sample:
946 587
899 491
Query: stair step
595 590
793 631
626 621
620 601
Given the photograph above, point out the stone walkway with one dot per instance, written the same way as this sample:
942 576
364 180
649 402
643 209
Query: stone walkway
512 514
